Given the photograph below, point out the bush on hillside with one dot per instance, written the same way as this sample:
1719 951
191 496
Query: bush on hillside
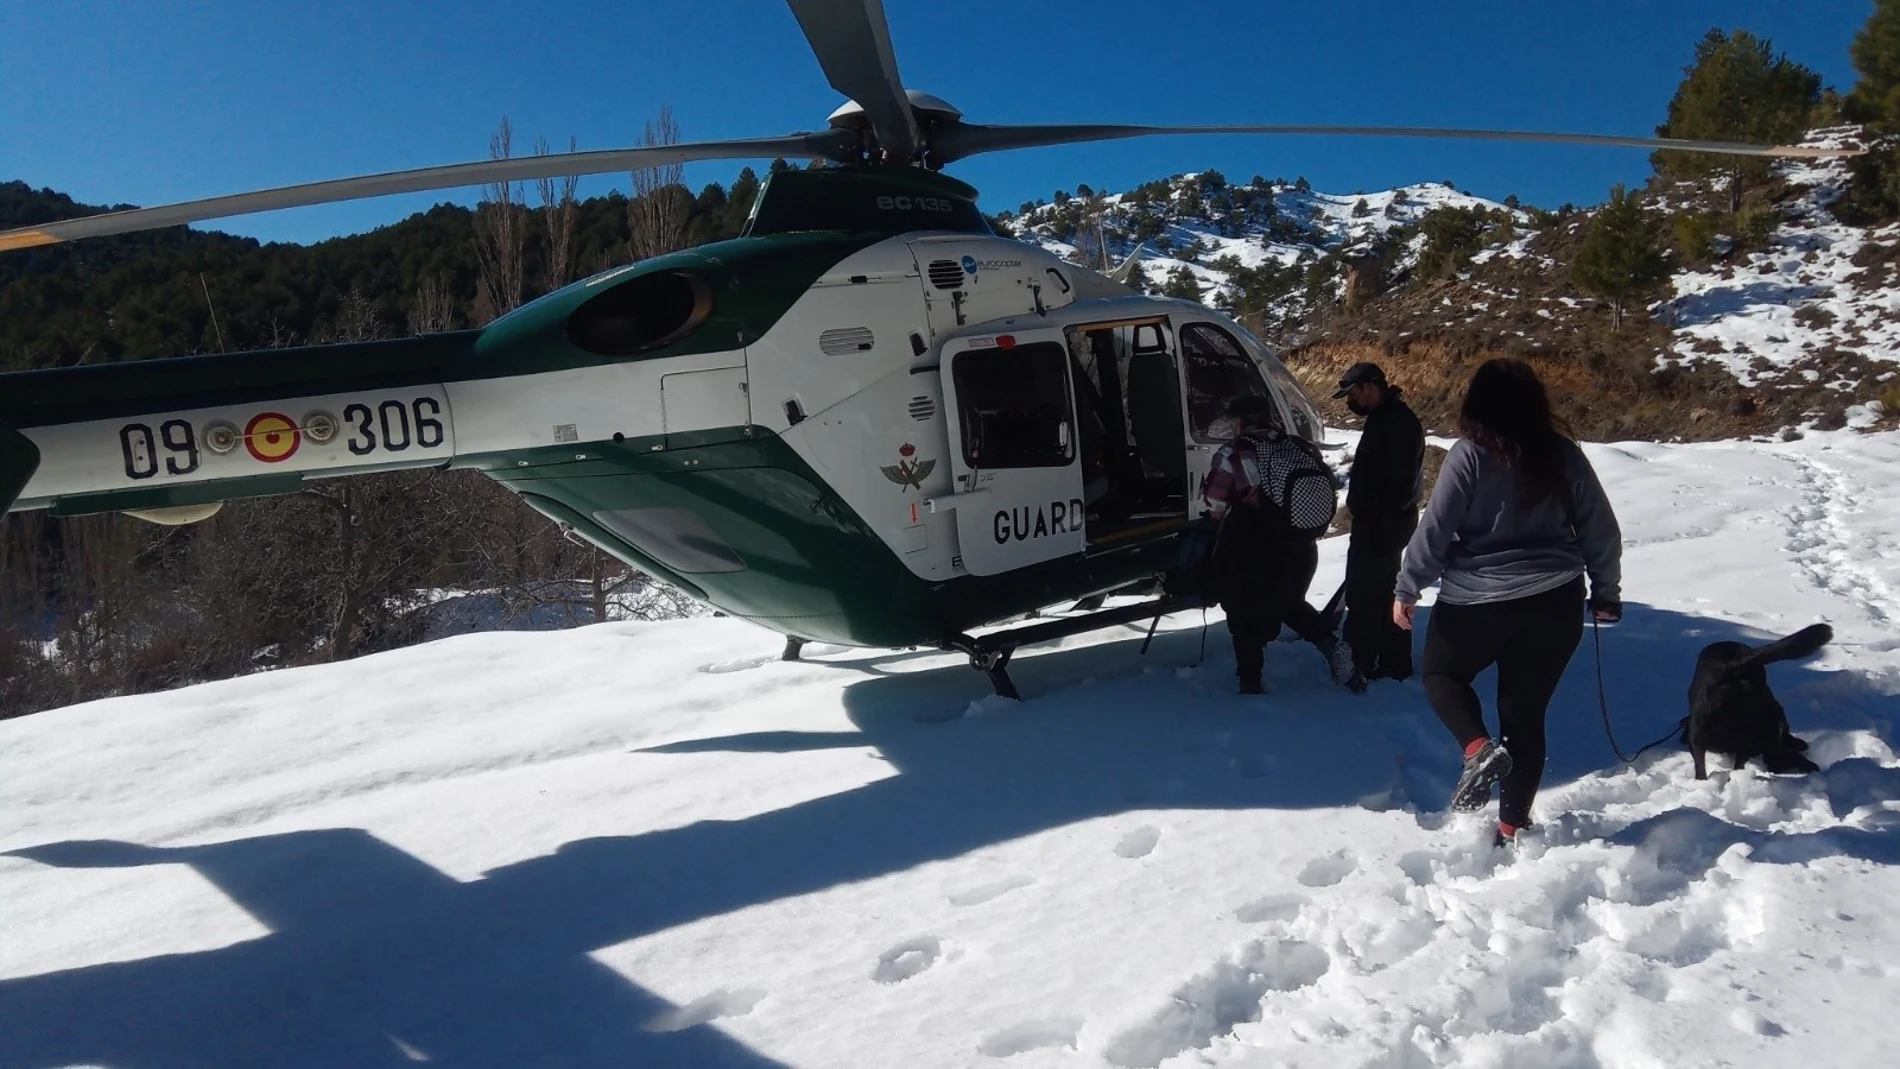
1452 237
1694 233
1619 258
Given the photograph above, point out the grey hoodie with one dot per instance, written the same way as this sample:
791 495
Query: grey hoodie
1483 541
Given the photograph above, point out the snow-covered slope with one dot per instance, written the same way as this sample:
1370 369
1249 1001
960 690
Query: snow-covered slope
1821 289
655 844
1810 302
1196 222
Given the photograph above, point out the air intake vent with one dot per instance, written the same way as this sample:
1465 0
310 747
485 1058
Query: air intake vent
946 274
922 408
840 340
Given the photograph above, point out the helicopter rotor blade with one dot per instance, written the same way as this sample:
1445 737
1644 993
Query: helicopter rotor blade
962 140
852 41
833 144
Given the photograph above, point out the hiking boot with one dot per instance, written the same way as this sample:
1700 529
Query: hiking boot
1482 771
1251 686
1345 671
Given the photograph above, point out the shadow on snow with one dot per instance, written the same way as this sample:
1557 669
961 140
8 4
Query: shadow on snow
375 958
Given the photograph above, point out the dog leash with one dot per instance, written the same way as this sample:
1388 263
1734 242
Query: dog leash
1603 701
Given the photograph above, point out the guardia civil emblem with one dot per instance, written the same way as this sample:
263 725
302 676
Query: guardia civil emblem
907 472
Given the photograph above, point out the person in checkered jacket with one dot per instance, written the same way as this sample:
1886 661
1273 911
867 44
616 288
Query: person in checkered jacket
1261 572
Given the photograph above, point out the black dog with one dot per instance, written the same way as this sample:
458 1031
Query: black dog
1732 711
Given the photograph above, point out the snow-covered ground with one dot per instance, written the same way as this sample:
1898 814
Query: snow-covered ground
656 844
1776 309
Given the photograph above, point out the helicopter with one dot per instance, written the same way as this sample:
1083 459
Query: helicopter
868 421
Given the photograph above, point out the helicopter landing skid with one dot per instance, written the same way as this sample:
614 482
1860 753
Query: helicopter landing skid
990 654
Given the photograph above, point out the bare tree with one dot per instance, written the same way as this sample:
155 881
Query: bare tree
558 211
656 215
1091 244
281 336
499 236
356 319
432 309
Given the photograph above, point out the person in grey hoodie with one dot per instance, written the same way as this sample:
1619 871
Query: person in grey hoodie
1515 522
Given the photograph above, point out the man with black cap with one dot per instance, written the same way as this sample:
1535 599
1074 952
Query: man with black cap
1383 494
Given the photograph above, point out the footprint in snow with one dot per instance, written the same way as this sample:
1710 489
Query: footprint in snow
1140 842
704 1009
1031 1035
906 960
976 896
1217 1001
1329 870
1271 908
720 668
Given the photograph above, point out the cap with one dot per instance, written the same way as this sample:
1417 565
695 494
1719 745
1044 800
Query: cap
1358 375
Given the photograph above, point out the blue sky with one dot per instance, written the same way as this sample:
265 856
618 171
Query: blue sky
145 102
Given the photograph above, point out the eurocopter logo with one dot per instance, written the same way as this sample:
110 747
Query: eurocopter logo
971 265
907 472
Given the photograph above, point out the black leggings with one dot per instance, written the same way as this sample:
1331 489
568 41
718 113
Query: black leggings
1531 641
1266 592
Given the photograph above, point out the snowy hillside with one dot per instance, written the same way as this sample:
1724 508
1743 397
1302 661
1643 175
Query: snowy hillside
1196 222
655 844
1797 320
1821 291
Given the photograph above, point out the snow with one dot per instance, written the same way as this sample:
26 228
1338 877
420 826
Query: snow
1766 314
657 844
1325 222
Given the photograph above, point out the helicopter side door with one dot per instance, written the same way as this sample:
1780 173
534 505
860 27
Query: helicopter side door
1014 457
1216 368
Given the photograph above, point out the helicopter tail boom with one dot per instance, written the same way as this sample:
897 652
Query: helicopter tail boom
162 438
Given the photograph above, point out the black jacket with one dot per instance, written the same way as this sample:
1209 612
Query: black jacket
1387 481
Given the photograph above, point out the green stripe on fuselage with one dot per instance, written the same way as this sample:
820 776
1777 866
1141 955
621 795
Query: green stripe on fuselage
813 568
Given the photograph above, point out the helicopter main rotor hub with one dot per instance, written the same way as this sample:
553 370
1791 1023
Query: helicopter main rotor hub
931 111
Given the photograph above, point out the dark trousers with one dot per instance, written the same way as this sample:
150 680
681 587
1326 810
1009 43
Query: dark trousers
1270 592
1531 641
1379 646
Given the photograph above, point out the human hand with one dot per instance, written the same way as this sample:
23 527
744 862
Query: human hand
1402 614
1607 612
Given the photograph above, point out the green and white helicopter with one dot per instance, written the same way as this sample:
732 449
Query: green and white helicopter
869 421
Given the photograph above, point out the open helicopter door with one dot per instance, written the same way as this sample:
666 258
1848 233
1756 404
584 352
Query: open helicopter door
1014 458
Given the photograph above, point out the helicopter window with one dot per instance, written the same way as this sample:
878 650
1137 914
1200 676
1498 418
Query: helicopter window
1014 407
1218 371
677 538
1306 419
641 313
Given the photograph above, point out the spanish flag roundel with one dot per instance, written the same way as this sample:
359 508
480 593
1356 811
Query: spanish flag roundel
271 437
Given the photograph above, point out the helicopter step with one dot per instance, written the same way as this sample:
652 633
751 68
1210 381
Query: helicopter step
990 654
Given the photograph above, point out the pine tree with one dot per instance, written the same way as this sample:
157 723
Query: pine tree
1876 53
1736 90
1619 257
1181 283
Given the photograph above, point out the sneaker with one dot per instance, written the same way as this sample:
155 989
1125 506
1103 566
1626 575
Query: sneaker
1482 770
1345 672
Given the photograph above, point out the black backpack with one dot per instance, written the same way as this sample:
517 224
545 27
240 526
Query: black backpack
1298 492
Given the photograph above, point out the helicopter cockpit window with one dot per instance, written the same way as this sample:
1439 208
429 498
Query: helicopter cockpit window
646 312
1014 407
1218 371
